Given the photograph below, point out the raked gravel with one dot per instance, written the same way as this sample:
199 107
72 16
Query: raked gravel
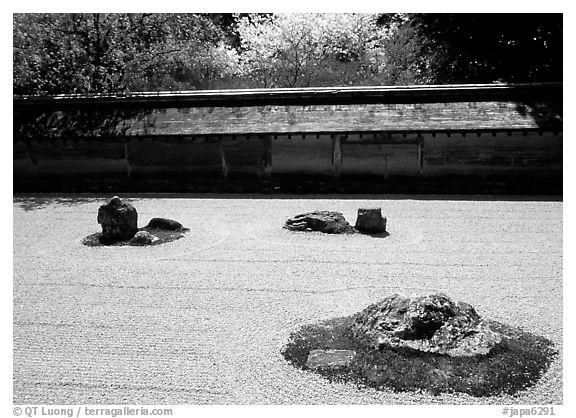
202 320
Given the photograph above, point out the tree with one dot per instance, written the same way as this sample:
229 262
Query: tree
301 50
85 53
485 48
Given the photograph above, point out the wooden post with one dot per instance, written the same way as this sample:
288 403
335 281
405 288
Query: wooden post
386 167
420 153
127 157
32 156
225 169
336 156
265 165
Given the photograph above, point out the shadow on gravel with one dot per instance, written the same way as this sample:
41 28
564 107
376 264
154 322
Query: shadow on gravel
378 235
337 196
29 203
39 201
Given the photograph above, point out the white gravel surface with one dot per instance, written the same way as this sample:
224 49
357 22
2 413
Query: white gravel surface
202 320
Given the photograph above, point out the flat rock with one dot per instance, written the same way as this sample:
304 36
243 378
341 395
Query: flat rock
164 223
329 359
323 221
431 324
119 221
143 238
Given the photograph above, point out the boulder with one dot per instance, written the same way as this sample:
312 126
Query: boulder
431 324
329 359
143 238
370 221
119 221
163 223
323 221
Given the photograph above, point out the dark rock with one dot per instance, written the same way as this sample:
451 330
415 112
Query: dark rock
163 223
370 221
143 238
432 324
323 221
329 359
119 221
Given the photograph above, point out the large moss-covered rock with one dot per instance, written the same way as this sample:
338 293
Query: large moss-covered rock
432 324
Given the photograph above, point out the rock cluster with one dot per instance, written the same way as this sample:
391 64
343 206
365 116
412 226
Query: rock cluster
422 343
369 221
119 221
431 324
323 221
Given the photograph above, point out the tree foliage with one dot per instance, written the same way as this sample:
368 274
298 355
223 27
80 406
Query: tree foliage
86 53
102 53
483 48
301 50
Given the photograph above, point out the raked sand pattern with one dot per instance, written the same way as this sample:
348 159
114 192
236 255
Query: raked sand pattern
202 320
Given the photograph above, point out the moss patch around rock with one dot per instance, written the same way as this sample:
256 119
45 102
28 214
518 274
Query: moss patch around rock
513 365
163 235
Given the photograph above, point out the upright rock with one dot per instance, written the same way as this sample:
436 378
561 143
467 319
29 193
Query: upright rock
119 221
323 221
432 324
370 221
